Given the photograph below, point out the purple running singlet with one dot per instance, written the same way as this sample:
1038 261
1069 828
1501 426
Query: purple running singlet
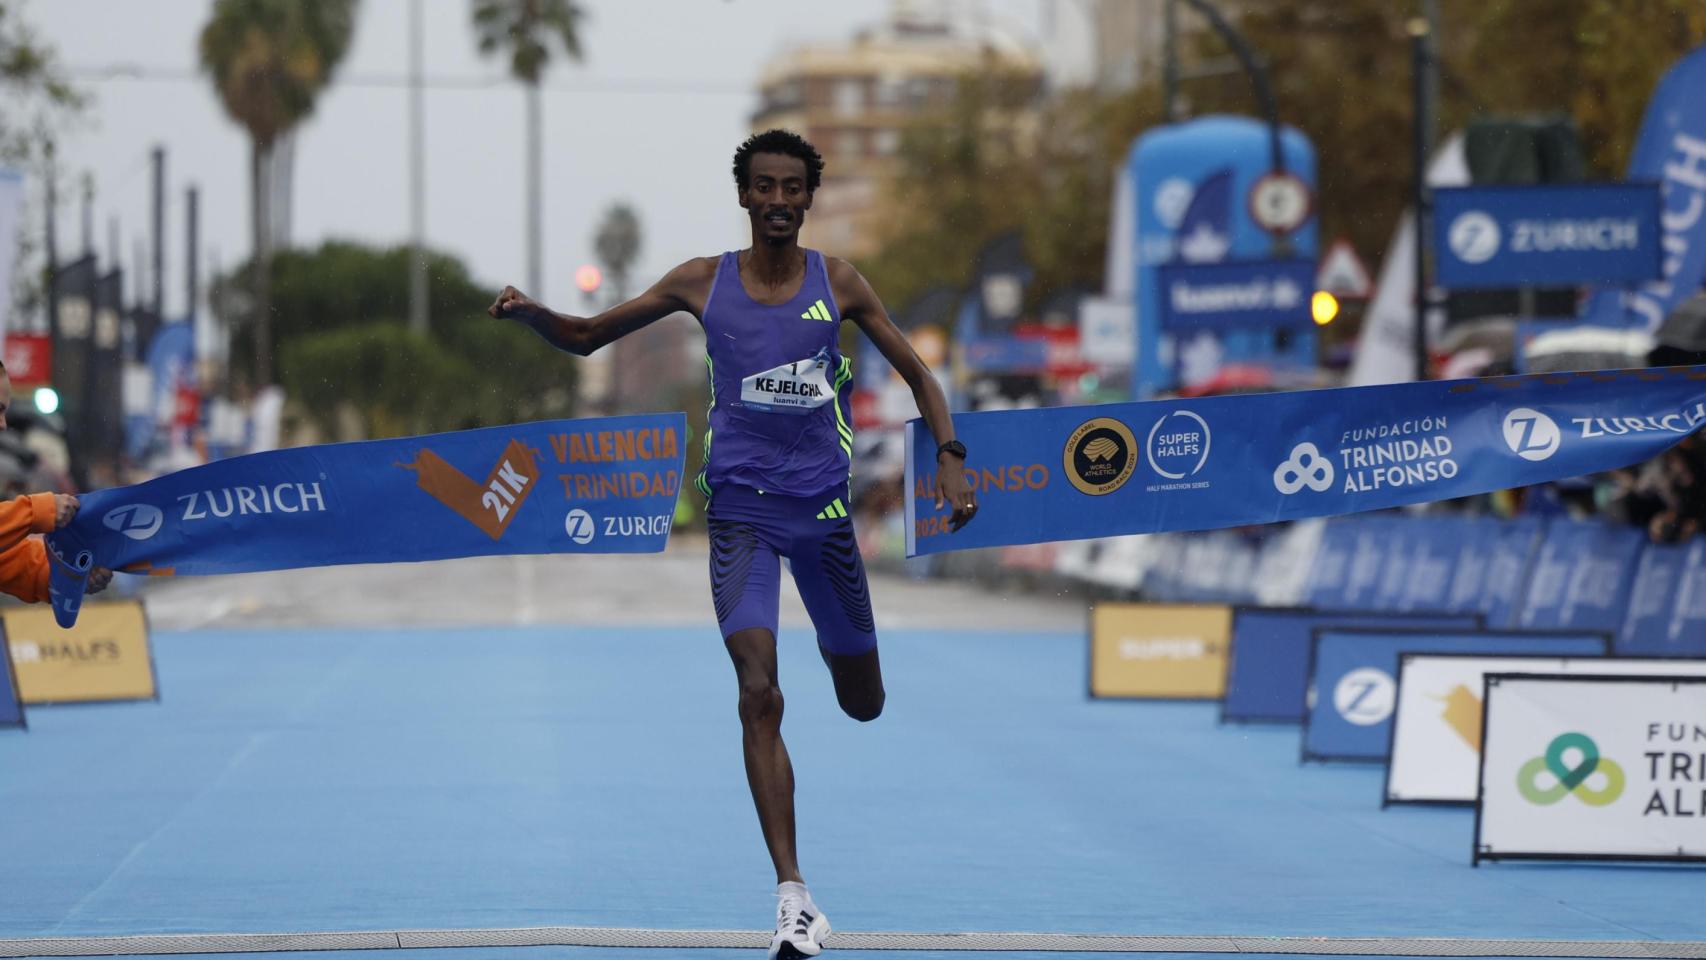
777 457
779 419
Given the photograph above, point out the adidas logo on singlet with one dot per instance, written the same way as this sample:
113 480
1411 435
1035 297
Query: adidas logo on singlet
817 311
834 511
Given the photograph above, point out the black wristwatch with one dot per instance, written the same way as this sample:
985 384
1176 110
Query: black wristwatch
954 447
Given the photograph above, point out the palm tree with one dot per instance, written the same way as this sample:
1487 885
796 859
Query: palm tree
618 246
269 60
525 30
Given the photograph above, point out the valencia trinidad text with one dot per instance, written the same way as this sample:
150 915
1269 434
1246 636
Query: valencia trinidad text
639 447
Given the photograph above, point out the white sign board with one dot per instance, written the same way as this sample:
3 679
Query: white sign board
1592 768
1436 726
1343 274
1107 331
1279 202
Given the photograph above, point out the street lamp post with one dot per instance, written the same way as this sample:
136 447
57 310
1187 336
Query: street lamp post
1420 57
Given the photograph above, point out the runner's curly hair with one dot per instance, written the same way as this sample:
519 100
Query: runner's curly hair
788 144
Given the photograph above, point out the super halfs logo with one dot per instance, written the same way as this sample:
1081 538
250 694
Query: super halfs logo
491 506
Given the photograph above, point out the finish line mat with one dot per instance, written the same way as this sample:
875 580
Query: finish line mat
181 944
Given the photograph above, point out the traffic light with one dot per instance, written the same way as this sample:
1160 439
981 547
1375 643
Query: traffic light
1324 307
588 278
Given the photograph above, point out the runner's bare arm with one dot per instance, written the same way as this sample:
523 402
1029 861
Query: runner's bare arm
685 288
860 304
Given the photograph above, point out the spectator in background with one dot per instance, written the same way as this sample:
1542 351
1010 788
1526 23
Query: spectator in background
1632 495
1665 496
23 558
1683 482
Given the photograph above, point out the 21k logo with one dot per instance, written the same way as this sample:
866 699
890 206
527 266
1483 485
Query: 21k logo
491 506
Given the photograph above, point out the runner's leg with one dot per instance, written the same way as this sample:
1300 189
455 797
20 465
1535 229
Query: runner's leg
745 578
831 576
769 773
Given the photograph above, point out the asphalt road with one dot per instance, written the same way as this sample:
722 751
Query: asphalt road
668 588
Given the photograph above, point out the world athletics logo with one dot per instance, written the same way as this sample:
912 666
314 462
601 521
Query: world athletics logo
1570 779
1100 456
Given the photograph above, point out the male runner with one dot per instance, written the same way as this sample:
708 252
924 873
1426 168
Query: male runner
778 454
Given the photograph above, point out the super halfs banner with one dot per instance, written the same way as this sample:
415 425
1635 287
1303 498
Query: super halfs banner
557 486
1071 473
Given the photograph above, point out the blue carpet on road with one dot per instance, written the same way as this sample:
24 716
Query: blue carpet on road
313 780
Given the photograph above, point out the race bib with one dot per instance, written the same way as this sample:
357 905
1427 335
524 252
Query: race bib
798 387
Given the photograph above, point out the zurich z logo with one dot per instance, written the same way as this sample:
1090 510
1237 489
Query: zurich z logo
138 521
1530 434
579 526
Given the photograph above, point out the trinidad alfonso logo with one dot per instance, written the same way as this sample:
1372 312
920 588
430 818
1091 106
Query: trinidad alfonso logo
1306 467
1567 778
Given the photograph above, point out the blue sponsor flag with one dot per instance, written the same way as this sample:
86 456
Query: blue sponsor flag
1550 235
1368 559
1006 354
1434 550
1582 576
1468 568
1267 666
555 486
1396 571
1217 567
1504 568
1646 622
1187 207
1353 689
1204 234
1241 295
1328 574
1213 462
1667 605
11 706
1671 150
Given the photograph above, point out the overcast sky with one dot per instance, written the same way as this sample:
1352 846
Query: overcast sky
651 116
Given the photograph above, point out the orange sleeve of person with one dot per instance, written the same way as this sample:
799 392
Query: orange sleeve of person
30 513
23 570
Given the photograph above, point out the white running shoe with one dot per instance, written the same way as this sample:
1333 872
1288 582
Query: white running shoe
800 929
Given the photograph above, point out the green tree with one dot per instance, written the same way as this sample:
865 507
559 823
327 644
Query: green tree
618 245
958 175
1341 73
269 61
1598 60
340 313
36 103
1083 142
398 383
529 31
998 157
